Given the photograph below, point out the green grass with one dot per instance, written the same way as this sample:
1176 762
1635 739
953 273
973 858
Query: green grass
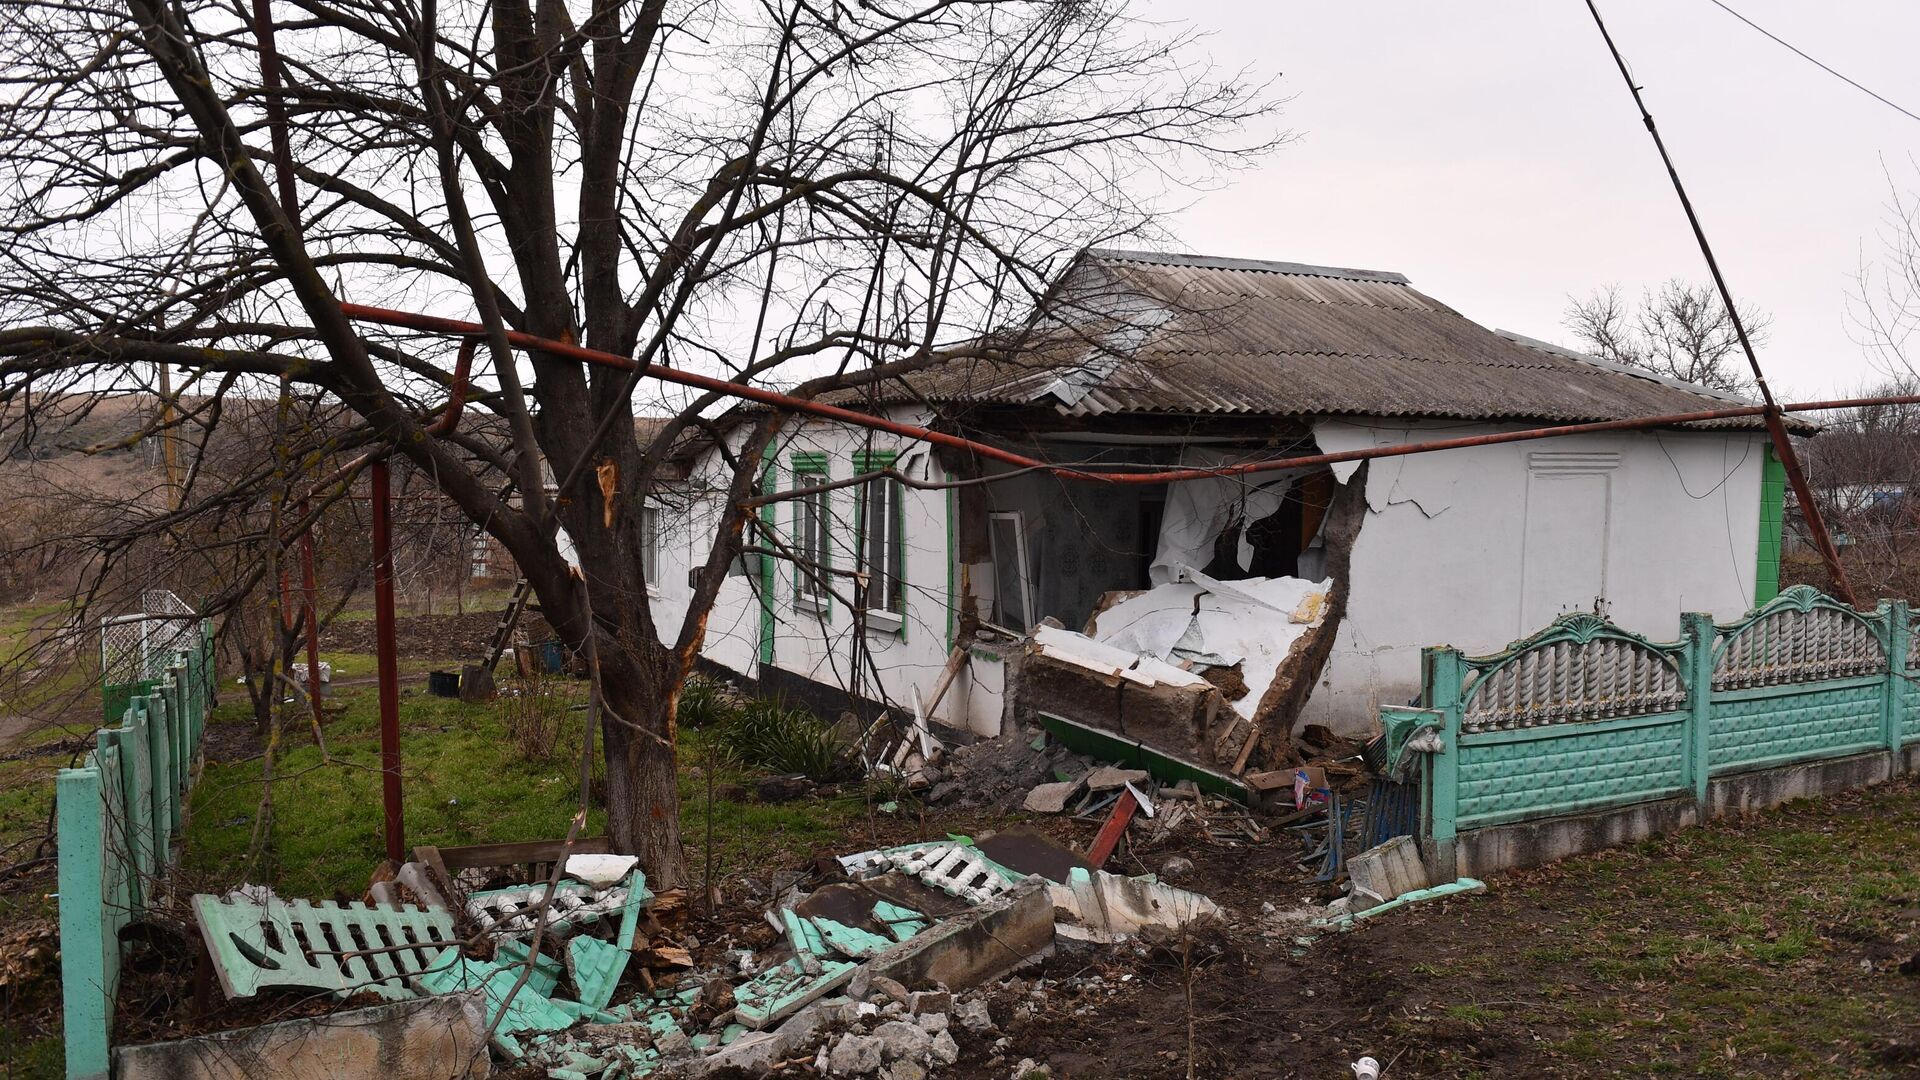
464 784
1728 950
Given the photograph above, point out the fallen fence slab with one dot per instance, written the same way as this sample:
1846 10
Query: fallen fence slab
442 1037
295 944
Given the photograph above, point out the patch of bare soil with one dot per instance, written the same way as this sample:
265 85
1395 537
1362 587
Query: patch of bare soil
431 637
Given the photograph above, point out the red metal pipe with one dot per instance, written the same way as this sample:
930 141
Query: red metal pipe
309 596
435 324
385 652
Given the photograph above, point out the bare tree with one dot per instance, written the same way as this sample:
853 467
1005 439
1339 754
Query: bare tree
809 195
1679 330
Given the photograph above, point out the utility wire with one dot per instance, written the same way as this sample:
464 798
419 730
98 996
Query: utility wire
1802 54
1776 430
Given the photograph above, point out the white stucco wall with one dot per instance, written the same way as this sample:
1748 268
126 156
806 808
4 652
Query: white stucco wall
1474 548
1479 547
818 643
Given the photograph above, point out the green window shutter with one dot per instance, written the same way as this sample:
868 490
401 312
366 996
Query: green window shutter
1773 501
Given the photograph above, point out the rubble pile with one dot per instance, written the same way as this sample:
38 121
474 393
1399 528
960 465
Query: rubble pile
996 774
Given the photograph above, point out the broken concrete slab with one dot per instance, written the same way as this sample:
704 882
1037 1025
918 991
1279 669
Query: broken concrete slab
438 1036
976 946
1107 908
1110 777
1383 872
1051 798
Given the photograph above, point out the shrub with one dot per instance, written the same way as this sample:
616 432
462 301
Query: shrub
534 711
783 739
704 702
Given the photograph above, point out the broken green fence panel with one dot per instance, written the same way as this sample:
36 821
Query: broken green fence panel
638 897
901 922
546 969
803 935
513 1009
597 967
777 992
848 940
322 947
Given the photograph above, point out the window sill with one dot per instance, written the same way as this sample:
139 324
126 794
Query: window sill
885 622
809 604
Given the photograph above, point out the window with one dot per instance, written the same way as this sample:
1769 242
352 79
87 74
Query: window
1012 591
881 555
812 518
650 546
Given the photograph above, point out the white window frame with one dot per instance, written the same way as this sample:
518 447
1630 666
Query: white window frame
1023 575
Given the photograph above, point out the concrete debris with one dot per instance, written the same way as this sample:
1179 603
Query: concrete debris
1109 777
1108 908
998 773
855 1055
1382 873
971 1013
1051 798
601 871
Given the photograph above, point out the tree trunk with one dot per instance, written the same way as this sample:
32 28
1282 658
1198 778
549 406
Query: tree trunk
643 778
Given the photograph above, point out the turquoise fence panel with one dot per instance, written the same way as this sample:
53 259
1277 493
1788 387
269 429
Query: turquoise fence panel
1802 676
1752 729
1570 768
1584 715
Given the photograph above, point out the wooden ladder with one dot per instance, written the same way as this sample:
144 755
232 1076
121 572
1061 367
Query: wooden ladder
509 619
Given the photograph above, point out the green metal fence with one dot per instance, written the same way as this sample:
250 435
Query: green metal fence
121 812
1587 716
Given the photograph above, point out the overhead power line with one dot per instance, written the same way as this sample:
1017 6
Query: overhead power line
1802 54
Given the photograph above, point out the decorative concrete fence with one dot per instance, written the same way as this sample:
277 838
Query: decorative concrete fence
1585 718
121 812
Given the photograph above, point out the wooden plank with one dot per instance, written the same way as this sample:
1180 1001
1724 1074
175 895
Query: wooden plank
527 851
1116 826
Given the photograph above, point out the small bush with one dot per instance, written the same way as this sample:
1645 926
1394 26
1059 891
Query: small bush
534 711
780 738
704 702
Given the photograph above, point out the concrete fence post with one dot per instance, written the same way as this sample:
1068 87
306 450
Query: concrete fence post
1697 640
85 991
1442 669
1899 634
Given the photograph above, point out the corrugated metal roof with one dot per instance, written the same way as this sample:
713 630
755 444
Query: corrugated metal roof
1186 334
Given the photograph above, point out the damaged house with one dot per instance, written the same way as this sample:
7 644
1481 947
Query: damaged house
1196 615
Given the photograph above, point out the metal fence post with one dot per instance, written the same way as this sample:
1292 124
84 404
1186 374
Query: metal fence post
1442 693
1697 638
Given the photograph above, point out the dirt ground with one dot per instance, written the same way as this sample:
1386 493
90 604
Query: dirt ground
431 637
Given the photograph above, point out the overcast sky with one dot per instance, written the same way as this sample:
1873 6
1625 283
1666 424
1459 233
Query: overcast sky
1488 150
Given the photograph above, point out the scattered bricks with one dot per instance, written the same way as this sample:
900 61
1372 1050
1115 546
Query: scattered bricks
854 1055
900 1040
975 946
1109 777
929 1001
437 1036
